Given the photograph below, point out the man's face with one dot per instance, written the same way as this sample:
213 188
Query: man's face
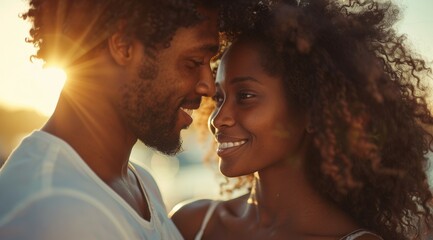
158 101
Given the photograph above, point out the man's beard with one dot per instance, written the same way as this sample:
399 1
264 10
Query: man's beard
160 133
150 111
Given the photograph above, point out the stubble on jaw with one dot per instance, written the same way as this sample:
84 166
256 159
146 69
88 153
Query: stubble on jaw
147 109
149 68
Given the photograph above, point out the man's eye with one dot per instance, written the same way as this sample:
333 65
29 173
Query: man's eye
192 63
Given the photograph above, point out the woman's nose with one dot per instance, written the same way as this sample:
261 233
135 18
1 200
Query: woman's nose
222 117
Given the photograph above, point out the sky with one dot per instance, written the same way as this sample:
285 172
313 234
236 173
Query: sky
25 85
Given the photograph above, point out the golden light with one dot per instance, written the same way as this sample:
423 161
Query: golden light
50 82
55 75
23 84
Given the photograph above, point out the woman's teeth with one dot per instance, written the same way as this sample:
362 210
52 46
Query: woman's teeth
225 145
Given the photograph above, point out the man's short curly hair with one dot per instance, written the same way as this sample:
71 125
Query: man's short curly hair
66 30
342 63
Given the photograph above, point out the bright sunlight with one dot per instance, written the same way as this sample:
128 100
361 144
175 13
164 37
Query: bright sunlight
51 81
24 84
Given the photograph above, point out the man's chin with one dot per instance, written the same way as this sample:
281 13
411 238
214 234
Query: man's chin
171 151
163 139
166 146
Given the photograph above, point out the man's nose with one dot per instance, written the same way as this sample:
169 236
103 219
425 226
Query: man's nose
206 85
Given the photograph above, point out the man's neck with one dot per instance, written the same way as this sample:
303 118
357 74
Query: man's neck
86 121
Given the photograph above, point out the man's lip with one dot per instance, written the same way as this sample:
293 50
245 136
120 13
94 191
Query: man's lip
191 104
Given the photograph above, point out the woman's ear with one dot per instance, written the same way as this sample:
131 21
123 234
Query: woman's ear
120 47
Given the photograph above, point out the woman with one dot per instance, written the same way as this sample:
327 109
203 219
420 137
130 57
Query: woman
323 105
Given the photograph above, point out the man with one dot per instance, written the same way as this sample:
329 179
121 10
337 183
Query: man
136 69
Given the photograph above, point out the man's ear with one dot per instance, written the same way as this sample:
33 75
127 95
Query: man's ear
120 47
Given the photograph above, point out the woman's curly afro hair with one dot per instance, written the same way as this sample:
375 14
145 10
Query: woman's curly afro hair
343 64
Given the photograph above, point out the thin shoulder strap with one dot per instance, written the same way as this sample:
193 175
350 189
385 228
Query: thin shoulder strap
357 233
209 213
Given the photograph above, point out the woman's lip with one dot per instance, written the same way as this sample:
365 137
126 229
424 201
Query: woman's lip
226 145
223 138
227 148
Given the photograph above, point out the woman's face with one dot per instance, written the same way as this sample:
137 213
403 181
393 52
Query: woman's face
253 124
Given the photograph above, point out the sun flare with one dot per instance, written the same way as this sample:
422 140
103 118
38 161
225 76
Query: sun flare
51 81
24 84
54 74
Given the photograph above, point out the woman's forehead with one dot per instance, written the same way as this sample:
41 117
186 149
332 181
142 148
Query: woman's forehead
238 60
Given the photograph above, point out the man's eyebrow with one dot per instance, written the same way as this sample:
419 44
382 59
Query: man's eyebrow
212 48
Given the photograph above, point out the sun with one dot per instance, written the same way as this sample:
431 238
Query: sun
24 84
56 76
50 81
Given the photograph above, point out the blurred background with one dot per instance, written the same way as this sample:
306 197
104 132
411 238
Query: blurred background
28 95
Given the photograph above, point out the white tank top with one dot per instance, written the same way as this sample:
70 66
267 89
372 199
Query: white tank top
351 236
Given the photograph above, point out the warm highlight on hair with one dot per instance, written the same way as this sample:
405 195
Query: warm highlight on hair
365 92
65 31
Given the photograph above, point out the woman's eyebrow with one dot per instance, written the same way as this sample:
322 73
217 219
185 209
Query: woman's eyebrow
243 79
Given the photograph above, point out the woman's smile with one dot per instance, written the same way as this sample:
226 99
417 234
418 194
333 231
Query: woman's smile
226 148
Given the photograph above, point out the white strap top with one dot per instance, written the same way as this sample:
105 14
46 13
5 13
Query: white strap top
358 233
351 236
209 213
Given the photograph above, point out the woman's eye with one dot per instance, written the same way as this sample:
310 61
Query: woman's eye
245 95
218 99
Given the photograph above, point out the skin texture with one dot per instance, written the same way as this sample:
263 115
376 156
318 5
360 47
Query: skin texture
251 110
335 136
151 106
255 111
119 105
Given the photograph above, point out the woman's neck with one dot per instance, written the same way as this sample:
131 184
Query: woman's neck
283 196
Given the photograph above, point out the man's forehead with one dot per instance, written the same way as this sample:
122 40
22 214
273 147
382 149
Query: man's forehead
207 47
202 37
208 25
